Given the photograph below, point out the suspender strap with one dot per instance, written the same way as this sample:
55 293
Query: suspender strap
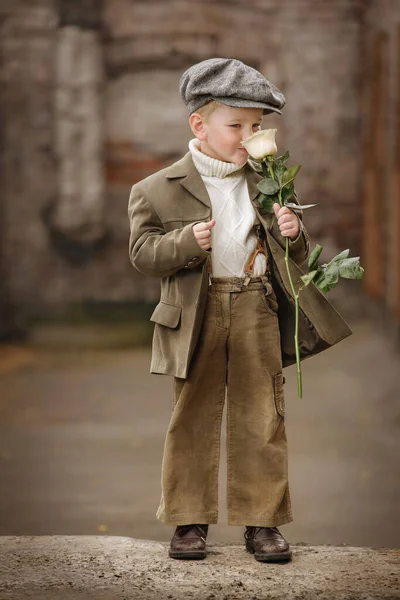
249 267
259 249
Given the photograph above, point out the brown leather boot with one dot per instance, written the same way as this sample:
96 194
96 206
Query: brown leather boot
267 544
189 542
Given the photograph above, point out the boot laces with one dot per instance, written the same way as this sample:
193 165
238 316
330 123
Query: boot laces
183 529
251 531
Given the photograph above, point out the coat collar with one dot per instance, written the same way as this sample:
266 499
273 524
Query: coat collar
191 180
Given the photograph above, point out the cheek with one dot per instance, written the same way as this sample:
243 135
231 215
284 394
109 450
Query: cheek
226 140
231 138
221 139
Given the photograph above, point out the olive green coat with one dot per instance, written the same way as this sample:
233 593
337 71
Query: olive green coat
162 211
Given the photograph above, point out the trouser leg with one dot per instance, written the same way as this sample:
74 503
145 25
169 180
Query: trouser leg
257 487
192 445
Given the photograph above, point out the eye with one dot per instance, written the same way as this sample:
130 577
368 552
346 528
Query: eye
236 125
257 125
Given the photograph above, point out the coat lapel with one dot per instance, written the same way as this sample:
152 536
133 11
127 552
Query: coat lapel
190 178
194 184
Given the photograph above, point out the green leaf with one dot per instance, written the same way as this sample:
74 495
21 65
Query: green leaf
324 288
287 192
268 186
320 276
284 158
313 258
308 277
290 174
265 169
322 284
267 202
350 268
327 275
279 172
319 279
341 256
331 275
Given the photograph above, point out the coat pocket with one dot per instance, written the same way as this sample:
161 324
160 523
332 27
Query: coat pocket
279 394
167 314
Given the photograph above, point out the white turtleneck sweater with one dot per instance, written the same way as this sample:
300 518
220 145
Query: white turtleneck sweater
233 237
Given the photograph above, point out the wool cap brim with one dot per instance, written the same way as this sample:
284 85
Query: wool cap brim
238 102
231 82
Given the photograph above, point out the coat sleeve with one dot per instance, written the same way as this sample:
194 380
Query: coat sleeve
152 250
299 248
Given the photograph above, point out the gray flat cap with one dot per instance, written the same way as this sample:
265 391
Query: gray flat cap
231 82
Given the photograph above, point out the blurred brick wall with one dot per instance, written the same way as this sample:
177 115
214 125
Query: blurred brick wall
311 49
381 154
28 174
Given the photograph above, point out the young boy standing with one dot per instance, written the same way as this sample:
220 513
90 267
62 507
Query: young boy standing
198 226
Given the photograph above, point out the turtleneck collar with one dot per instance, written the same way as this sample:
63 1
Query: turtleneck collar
211 167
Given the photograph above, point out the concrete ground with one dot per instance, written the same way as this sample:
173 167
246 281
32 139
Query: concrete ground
82 434
121 568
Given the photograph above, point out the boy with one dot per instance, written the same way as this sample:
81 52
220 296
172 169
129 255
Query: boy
198 225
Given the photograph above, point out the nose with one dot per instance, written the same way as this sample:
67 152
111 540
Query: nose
246 133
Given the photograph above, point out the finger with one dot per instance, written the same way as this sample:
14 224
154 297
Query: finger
200 227
205 226
287 225
286 219
276 208
284 210
288 231
202 235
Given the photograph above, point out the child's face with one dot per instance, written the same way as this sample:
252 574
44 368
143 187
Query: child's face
225 128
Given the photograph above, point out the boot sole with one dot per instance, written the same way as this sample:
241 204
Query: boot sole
194 555
273 557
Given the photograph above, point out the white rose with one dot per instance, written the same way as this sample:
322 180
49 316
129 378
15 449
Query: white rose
261 144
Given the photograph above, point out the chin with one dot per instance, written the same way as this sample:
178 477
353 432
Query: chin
240 161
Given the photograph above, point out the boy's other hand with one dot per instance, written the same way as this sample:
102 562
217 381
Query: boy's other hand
202 233
287 220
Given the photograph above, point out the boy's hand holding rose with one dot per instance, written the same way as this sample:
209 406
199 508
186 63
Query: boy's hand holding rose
287 220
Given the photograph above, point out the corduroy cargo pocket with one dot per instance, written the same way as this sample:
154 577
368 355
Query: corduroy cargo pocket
279 394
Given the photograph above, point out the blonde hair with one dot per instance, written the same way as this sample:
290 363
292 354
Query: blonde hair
207 110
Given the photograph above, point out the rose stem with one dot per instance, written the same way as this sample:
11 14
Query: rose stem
296 297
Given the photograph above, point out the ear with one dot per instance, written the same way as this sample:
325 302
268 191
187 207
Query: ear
196 123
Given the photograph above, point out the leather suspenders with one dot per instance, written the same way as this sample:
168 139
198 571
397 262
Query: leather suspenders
260 248
249 267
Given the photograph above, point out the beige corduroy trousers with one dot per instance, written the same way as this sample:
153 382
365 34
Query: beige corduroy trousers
238 355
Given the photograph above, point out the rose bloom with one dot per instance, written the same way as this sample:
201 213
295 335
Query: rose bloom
261 144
